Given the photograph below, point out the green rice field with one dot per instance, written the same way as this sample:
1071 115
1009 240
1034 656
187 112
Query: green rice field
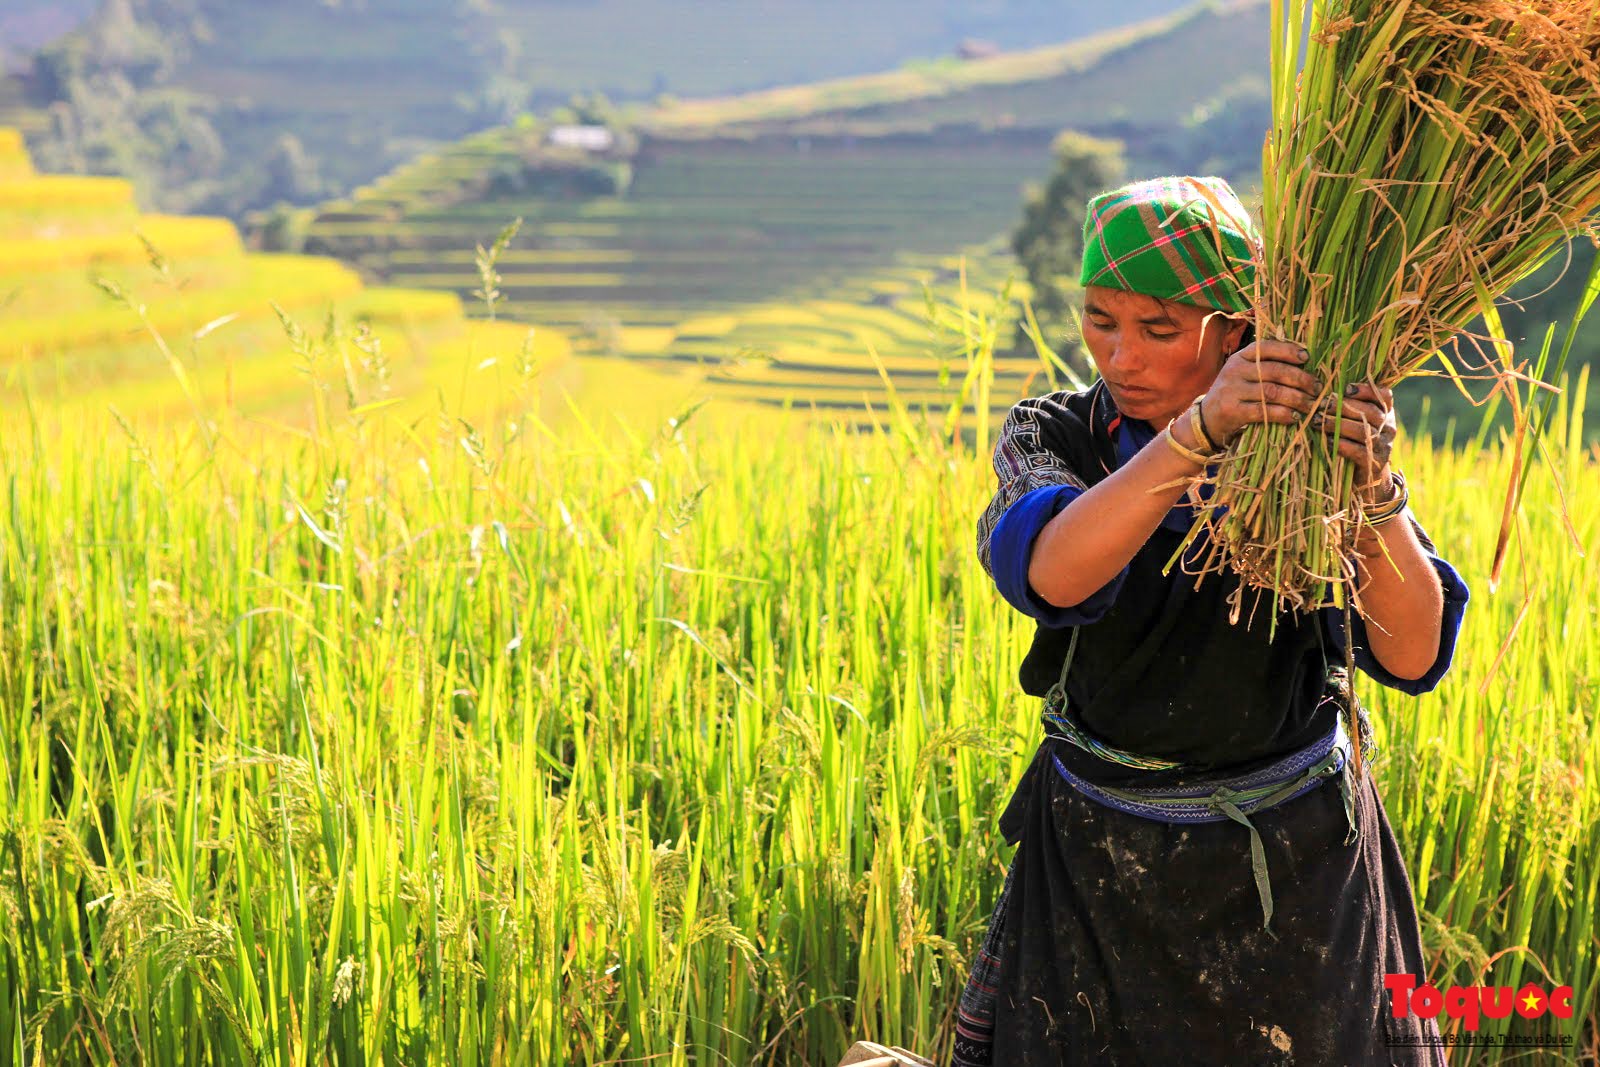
676 742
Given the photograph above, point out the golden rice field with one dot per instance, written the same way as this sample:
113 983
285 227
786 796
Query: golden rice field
14 159
153 315
427 693
385 739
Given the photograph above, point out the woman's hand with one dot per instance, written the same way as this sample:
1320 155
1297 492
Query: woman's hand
1266 382
1365 437
1262 382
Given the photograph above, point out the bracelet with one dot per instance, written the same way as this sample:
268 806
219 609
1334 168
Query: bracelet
1373 524
1400 491
1379 520
1190 454
1392 508
1184 450
1197 423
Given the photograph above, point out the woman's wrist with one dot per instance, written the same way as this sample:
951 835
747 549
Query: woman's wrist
1380 491
1207 427
1184 440
1187 430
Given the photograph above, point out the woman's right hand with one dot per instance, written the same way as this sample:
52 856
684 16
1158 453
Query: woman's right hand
1262 382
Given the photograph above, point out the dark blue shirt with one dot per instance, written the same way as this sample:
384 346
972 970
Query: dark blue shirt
1011 545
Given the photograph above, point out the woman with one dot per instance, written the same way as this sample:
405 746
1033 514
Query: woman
1202 876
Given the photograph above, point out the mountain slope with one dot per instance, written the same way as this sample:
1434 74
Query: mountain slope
810 192
1154 70
228 105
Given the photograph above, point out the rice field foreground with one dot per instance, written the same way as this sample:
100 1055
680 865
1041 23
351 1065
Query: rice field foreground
647 742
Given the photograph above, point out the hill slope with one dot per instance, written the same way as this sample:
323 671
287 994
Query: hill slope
774 215
227 105
742 201
87 283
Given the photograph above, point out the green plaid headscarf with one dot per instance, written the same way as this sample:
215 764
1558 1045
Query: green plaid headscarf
1183 239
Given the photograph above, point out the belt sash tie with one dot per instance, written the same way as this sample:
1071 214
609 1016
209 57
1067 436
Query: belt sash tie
1213 798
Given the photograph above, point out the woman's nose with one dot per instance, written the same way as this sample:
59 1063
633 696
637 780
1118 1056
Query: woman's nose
1125 357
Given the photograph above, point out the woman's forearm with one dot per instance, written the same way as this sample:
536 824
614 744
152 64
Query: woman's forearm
1089 542
1401 598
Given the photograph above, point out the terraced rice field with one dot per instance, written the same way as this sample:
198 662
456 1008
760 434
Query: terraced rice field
809 218
702 226
87 285
83 203
759 264
825 352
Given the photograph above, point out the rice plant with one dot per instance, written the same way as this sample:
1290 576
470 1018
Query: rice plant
1425 156
482 738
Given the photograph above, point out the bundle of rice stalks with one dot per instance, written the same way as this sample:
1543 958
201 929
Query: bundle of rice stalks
1431 154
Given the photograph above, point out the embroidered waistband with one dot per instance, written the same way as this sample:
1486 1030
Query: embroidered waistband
1237 797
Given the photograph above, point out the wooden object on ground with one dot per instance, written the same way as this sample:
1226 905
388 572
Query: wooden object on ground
868 1054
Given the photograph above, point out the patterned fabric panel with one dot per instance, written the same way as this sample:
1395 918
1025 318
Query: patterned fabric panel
974 1045
1023 462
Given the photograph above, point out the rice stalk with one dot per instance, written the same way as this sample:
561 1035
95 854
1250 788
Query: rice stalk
1430 154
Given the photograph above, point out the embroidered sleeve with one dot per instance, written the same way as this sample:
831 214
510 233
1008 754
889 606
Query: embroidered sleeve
1023 462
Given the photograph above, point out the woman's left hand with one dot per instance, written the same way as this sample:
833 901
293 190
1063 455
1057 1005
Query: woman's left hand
1365 437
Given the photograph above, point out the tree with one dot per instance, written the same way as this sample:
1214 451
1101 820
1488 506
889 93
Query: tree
281 229
1049 240
291 173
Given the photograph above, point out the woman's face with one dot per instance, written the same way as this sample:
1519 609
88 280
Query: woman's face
1155 356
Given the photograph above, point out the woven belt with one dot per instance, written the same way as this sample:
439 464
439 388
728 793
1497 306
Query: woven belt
1238 797
1212 798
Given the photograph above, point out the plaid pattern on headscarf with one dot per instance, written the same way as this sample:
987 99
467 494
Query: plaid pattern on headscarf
1188 240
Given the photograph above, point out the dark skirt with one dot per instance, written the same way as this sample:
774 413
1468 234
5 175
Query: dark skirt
1119 940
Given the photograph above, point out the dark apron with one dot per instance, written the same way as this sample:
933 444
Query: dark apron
1120 939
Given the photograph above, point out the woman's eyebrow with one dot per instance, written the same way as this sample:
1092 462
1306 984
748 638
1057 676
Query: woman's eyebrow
1163 319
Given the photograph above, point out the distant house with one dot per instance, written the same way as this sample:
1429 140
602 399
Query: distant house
972 48
586 138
